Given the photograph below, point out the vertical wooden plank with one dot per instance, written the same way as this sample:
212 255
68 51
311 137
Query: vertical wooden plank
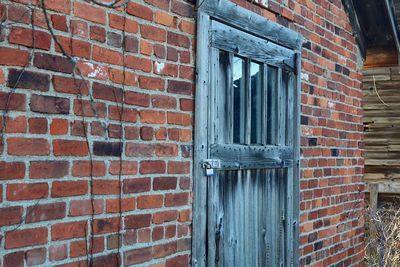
226 235
229 97
373 198
270 226
282 177
274 214
246 226
289 216
214 134
290 135
262 220
221 71
234 252
240 203
290 109
211 214
257 227
294 191
273 245
272 108
200 142
373 202
261 175
265 105
281 109
248 102
279 174
214 221
215 114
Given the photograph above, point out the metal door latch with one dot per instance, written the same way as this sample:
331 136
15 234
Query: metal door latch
210 164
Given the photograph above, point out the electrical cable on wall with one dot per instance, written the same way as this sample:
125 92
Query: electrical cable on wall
376 91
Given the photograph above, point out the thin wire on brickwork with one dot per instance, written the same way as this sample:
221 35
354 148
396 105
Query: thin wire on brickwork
4 25
72 60
114 4
89 235
121 135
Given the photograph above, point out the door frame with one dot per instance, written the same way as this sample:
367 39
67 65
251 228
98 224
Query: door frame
237 17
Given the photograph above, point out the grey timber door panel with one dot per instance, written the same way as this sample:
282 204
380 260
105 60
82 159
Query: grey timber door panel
251 137
248 213
246 140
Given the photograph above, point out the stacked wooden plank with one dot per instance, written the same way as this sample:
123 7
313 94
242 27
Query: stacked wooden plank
381 103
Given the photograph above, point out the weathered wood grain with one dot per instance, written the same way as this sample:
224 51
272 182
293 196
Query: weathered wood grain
250 46
381 57
259 222
239 157
382 125
246 20
386 187
200 143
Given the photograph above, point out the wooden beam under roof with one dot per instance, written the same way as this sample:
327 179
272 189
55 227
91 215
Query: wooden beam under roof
380 57
375 29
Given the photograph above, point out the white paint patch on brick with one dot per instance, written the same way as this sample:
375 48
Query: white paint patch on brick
307 131
135 79
331 104
304 77
263 2
342 60
159 66
96 71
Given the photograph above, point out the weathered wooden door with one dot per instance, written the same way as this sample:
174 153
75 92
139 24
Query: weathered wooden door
251 133
246 149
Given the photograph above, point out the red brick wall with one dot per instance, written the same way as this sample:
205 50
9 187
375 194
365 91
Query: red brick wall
60 170
48 191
